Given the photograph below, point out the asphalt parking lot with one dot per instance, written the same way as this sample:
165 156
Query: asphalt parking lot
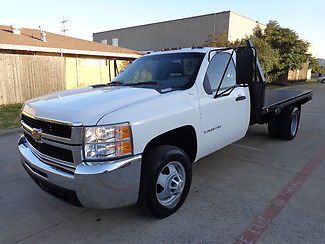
232 190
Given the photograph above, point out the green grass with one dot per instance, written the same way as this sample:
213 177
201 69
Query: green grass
9 116
312 81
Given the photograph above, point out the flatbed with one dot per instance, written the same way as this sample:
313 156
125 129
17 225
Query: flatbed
280 98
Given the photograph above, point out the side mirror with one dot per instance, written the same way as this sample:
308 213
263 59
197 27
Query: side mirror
245 65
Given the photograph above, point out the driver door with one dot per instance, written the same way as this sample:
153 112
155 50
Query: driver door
225 119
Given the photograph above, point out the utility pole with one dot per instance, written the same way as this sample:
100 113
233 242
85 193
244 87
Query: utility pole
64 29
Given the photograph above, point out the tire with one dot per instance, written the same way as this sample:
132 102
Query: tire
289 123
323 81
160 164
273 127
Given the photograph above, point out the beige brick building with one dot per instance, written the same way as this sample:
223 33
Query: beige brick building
181 32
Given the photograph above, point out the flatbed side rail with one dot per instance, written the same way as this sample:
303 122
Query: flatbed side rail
301 99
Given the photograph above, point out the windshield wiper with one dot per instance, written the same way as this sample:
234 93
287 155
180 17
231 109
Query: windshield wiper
116 83
154 83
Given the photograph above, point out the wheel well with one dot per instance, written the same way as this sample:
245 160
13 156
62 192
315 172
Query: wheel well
268 117
183 137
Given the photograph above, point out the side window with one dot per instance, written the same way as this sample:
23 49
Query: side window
215 71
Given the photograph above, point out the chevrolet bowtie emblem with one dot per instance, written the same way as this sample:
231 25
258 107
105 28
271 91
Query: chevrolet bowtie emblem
36 134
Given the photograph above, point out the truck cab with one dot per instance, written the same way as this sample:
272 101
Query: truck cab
134 140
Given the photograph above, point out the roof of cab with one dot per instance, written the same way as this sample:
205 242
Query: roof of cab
185 50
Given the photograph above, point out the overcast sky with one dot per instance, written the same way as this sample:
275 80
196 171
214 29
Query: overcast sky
86 17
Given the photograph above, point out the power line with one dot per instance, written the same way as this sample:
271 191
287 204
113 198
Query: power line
63 22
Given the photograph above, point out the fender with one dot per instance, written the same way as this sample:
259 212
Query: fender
162 114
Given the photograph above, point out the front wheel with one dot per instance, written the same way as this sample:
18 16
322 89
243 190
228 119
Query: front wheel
165 180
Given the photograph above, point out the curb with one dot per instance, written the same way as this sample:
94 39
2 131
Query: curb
4 132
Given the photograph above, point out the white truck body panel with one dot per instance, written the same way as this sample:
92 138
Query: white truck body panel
86 105
217 121
164 113
224 120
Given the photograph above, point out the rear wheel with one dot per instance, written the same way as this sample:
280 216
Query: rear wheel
165 180
289 123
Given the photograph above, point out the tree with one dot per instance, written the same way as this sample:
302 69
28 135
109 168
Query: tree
267 55
218 41
279 49
293 51
314 65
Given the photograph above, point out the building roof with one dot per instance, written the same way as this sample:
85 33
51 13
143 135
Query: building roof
30 40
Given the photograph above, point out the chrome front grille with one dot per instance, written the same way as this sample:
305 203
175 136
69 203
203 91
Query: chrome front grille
61 153
50 128
61 166
50 150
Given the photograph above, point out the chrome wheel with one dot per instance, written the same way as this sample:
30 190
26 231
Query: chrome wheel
170 184
294 123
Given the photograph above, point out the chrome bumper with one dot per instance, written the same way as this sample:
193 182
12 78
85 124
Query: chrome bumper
109 185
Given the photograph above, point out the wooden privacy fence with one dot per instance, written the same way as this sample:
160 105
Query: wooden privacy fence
24 76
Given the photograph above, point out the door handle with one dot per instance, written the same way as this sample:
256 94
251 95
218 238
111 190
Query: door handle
239 98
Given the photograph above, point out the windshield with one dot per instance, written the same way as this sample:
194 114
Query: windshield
177 70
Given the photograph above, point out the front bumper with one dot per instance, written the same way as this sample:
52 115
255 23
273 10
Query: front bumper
109 185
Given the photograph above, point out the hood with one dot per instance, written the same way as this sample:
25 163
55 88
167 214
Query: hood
86 105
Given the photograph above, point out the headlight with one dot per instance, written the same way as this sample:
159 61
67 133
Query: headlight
105 142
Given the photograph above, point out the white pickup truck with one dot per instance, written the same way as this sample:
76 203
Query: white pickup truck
135 139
